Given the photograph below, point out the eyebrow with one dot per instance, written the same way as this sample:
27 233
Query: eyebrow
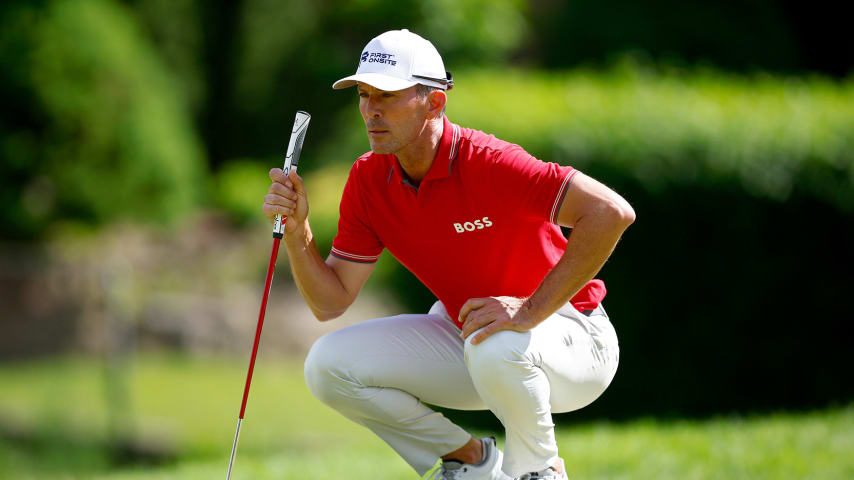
364 90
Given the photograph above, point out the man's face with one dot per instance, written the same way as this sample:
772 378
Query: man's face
393 120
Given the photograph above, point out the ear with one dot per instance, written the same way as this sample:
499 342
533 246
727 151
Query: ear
436 101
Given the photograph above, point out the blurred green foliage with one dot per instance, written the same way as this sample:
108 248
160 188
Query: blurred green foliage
94 131
239 190
666 127
247 65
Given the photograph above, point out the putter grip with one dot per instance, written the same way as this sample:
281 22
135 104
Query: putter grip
291 161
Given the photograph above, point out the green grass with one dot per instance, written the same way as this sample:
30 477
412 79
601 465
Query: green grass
54 423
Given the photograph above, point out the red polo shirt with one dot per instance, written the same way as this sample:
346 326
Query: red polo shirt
481 223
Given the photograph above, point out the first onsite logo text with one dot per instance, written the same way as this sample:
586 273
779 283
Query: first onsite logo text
378 57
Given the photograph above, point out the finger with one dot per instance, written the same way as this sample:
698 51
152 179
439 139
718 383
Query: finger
278 175
279 189
274 199
487 331
297 182
273 210
476 321
471 304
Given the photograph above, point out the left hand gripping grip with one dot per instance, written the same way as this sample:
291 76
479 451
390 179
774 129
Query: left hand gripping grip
291 161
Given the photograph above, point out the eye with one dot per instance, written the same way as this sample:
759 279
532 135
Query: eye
363 94
387 95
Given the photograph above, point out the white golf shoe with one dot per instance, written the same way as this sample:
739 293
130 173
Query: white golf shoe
488 469
547 474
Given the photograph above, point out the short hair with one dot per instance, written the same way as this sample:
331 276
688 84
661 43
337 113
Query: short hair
422 91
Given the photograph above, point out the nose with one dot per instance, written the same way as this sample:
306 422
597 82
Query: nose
372 107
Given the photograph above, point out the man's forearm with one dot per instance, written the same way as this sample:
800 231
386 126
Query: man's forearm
317 282
592 241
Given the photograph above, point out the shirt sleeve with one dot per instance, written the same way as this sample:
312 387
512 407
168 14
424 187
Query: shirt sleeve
356 241
535 187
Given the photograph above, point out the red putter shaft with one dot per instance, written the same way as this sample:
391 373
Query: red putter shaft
291 162
270 269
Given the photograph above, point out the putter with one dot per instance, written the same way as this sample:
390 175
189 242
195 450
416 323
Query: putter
291 161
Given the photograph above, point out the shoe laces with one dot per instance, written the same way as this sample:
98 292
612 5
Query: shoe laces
544 475
448 474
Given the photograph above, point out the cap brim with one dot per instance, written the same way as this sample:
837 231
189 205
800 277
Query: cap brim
376 80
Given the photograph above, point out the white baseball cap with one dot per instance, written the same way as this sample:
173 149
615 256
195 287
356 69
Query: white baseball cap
399 59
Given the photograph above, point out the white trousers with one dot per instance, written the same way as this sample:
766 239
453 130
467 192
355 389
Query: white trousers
381 372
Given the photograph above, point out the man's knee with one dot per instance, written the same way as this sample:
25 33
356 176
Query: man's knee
323 369
500 351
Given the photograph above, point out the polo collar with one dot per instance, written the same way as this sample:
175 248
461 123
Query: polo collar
449 148
443 162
